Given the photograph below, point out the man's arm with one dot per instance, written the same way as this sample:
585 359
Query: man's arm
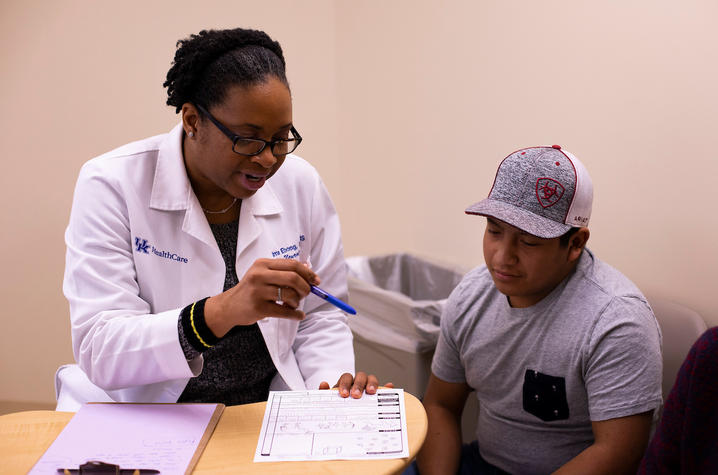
444 403
618 447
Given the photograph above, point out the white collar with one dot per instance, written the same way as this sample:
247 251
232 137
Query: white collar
171 188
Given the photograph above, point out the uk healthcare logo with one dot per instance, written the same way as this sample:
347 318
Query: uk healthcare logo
142 246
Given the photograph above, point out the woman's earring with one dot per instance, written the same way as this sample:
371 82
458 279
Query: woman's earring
190 133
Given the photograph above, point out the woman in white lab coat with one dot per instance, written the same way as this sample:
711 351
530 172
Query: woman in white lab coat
190 255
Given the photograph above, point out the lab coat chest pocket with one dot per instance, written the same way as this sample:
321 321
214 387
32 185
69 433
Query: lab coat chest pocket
286 335
278 335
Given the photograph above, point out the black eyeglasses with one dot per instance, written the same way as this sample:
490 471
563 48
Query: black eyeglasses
252 147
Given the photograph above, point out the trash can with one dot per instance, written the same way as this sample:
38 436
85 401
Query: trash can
399 299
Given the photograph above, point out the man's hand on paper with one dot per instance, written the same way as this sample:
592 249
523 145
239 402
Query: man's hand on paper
355 386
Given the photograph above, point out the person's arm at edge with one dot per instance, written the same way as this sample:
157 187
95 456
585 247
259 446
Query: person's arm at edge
618 447
444 403
664 452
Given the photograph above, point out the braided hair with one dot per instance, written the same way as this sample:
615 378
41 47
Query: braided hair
206 64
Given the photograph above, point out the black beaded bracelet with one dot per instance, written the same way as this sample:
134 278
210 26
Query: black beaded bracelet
195 327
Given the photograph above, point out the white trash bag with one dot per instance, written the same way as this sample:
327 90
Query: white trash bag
399 299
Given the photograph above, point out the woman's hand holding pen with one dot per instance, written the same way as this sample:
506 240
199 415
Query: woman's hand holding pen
270 287
349 385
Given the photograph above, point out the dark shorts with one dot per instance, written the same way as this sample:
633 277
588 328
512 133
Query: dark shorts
471 463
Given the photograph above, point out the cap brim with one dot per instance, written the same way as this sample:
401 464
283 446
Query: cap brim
520 218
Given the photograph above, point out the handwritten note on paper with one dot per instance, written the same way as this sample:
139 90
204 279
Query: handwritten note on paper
159 436
321 425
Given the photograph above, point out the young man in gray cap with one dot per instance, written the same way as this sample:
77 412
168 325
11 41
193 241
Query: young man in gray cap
563 351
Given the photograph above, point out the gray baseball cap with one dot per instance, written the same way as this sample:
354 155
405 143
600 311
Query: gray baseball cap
544 191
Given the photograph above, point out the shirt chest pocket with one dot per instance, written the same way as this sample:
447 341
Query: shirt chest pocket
544 396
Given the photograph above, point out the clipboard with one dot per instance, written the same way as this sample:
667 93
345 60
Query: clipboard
163 436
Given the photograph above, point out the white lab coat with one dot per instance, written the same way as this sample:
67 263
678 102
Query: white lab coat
139 249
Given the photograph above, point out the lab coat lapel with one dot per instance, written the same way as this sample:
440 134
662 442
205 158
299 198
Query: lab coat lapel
254 210
258 207
172 191
195 223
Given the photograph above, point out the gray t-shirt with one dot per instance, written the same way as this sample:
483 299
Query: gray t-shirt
589 351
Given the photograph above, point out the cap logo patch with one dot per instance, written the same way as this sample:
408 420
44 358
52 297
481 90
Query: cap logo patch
548 191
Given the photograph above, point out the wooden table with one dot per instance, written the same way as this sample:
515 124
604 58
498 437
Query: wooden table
24 437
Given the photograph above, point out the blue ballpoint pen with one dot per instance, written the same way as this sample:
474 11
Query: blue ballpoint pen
333 300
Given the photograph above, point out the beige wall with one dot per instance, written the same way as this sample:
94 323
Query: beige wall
439 95
407 107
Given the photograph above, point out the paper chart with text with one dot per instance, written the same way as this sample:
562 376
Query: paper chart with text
321 425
